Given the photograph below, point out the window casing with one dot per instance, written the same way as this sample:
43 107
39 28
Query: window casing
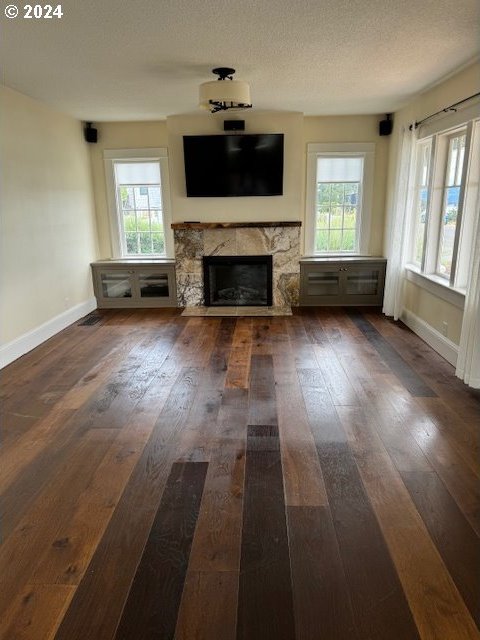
339 198
446 187
138 195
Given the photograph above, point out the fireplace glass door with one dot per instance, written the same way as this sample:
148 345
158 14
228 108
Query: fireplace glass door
237 280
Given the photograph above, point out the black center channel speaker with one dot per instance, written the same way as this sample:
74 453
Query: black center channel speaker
234 125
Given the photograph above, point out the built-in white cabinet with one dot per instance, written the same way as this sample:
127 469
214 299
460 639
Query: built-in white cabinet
342 281
140 283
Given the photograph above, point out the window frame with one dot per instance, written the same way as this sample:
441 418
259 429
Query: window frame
366 151
112 156
428 269
422 144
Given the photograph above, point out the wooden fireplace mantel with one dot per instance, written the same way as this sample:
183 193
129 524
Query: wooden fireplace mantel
234 225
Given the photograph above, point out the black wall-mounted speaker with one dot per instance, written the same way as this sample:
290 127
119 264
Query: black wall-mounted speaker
385 127
90 133
234 125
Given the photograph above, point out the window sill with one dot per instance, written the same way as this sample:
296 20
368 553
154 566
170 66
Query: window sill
436 286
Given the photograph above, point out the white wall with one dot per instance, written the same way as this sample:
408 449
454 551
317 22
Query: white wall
48 226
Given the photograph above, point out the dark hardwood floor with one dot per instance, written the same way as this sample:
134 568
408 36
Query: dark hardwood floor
314 477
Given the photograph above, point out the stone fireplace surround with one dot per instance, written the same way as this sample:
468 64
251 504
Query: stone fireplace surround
281 240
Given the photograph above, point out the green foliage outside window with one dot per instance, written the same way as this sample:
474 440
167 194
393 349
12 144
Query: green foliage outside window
336 216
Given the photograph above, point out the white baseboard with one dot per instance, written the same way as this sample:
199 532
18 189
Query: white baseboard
442 345
28 341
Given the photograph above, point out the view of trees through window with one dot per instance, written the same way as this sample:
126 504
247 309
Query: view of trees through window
139 201
336 220
142 219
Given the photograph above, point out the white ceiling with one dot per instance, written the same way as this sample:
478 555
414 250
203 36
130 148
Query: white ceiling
144 59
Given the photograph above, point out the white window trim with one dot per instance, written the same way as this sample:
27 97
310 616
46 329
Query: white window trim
366 150
160 154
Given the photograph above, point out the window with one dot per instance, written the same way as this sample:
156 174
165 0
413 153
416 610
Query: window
138 198
339 193
421 200
450 203
446 187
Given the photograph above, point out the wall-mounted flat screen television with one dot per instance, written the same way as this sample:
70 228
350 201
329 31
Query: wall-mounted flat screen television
234 165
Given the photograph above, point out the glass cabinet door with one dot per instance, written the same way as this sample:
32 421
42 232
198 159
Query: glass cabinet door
362 281
153 284
116 284
322 283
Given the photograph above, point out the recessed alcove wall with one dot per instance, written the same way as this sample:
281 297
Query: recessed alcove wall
288 206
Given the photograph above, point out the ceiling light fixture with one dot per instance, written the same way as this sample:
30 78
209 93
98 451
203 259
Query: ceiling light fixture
225 92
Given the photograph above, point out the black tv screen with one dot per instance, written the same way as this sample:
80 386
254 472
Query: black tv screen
234 165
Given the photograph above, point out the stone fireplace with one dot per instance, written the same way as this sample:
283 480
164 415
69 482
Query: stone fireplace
280 240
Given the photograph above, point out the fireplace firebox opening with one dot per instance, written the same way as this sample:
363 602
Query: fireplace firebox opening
237 281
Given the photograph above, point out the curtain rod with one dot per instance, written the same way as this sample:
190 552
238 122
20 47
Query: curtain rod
452 107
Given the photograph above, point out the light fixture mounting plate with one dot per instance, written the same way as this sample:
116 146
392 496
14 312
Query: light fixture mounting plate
223 72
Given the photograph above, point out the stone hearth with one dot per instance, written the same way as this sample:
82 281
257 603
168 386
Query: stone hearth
193 241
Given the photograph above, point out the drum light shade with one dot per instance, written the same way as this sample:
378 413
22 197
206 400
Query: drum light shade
224 93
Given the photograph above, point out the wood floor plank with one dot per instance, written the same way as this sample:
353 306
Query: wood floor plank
265 605
239 361
111 570
443 455
216 369
34 364
379 604
69 552
72 367
378 601
302 346
36 612
262 402
409 378
199 431
464 400
56 504
209 606
152 605
216 545
302 475
463 433
454 538
432 595
320 593
12 427
261 336
64 426
99 377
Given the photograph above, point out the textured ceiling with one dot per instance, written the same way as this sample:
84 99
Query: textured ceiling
144 59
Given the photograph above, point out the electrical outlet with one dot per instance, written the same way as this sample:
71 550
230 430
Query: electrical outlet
445 328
